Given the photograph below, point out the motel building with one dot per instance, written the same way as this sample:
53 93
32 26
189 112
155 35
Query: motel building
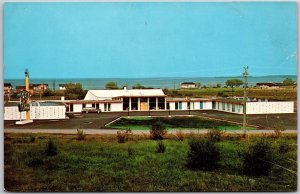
156 100
143 100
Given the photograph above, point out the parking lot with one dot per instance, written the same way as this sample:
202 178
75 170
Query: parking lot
98 121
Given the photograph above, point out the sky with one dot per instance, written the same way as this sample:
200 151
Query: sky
135 40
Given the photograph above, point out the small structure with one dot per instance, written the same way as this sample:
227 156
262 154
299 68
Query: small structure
38 87
62 86
269 85
8 88
188 85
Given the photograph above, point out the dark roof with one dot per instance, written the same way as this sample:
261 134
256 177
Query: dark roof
188 83
23 87
39 84
7 85
11 104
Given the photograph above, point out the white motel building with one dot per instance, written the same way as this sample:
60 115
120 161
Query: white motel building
144 100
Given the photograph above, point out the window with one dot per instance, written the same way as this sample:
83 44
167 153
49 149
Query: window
93 105
83 105
176 105
223 106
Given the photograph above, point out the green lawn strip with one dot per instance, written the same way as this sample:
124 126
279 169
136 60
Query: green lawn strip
180 123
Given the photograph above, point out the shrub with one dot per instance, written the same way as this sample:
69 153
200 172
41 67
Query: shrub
203 155
215 134
51 149
130 151
122 136
32 139
180 135
34 159
160 148
157 131
278 129
80 135
283 146
257 159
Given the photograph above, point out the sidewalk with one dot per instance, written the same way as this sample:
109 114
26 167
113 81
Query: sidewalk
114 131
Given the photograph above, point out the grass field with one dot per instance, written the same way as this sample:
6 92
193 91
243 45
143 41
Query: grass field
192 123
272 94
99 163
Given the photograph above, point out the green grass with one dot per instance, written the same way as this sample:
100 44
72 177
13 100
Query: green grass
179 123
274 94
102 164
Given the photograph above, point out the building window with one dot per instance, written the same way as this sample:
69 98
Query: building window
125 103
93 105
161 103
176 105
83 105
223 106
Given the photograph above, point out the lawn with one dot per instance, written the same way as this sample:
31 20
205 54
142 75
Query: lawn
190 123
99 163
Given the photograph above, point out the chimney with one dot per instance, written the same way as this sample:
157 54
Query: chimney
125 88
62 98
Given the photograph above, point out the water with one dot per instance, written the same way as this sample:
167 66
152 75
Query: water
99 83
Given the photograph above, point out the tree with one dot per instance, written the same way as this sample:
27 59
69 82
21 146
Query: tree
218 85
74 91
138 86
111 85
198 84
288 82
48 92
234 83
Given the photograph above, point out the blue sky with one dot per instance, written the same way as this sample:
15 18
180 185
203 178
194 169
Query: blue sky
102 40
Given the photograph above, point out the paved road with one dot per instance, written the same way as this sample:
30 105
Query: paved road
114 131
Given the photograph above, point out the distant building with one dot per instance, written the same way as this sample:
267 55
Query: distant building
23 88
188 85
37 87
8 88
270 85
62 86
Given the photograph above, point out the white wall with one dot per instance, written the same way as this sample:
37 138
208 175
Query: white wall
269 107
184 106
12 113
77 107
36 112
116 107
172 105
207 105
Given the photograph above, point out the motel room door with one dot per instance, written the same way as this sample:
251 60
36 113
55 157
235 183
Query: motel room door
144 104
180 105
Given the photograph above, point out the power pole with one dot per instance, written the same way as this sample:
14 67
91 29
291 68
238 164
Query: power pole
53 85
245 74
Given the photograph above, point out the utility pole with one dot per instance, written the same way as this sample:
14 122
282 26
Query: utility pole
245 74
53 85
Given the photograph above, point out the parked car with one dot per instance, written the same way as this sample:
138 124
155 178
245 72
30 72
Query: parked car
91 109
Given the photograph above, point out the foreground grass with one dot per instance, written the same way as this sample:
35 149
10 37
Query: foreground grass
174 123
100 164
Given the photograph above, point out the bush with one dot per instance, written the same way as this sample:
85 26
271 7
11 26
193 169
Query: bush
157 131
203 155
32 139
122 136
257 159
51 149
180 135
80 135
130 151
34 159
160 148
278 129
283 146
215 135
